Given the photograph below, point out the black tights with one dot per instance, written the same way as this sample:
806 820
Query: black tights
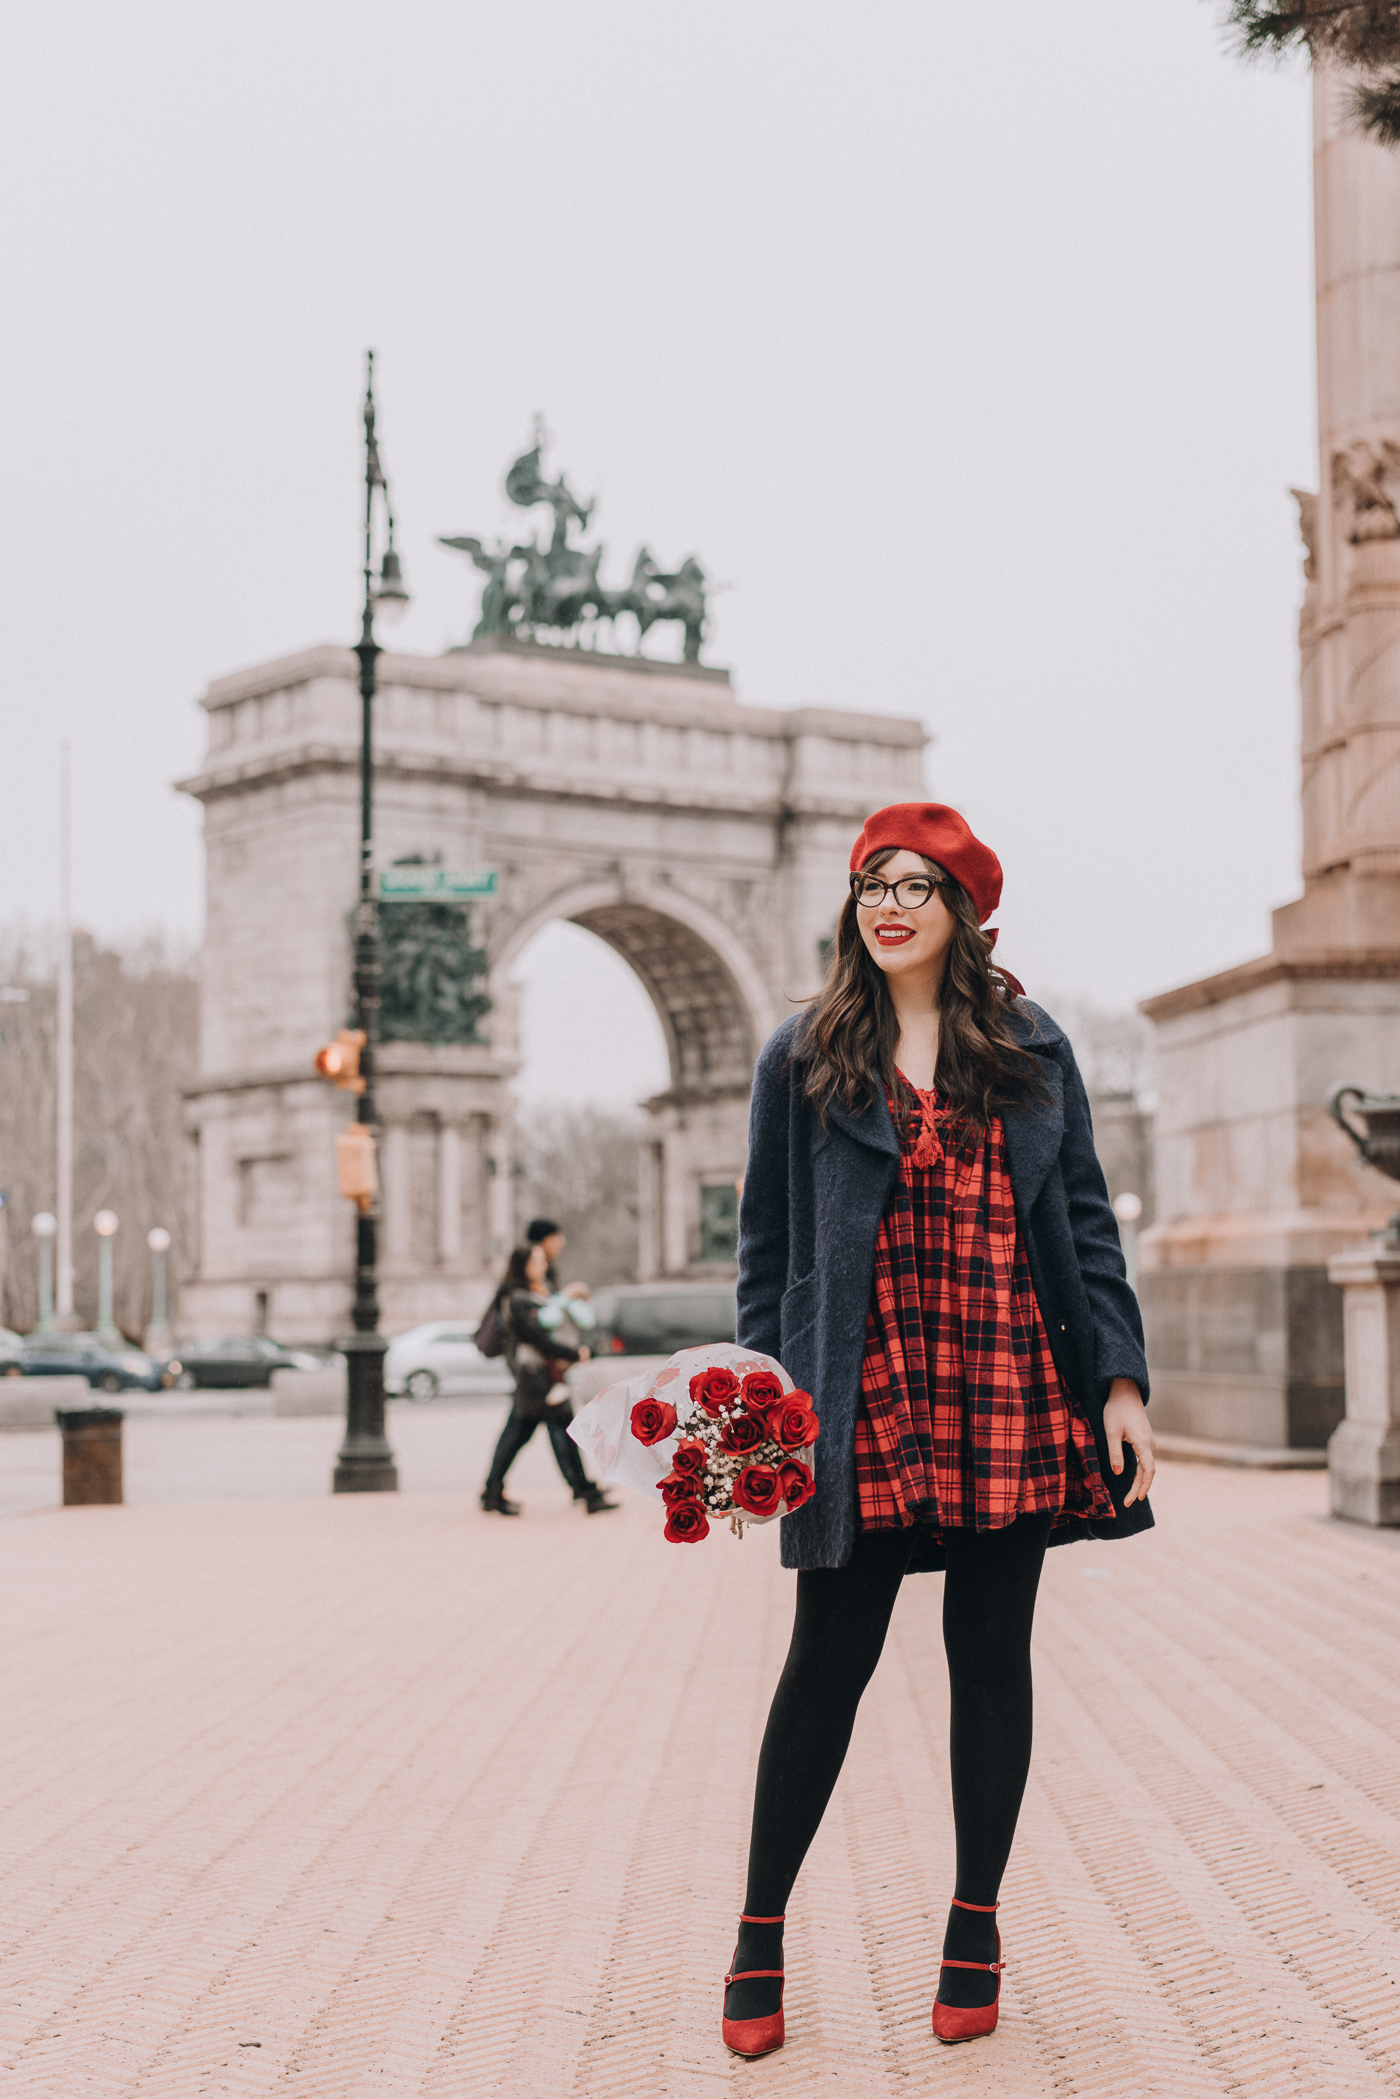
842 1616
517 1433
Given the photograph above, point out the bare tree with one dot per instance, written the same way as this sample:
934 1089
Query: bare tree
579 1167
1112 1046
135 1017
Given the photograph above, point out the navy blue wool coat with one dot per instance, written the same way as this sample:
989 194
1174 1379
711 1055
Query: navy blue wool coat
812 1203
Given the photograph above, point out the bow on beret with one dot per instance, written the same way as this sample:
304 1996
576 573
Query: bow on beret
940 834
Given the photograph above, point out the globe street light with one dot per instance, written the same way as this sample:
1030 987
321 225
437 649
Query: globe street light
43 1227
105 1224
158 1332
365 1463
1127 1208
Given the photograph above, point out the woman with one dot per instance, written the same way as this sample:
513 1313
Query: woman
537 1359
926 1244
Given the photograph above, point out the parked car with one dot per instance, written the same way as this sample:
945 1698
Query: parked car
234 1362
441 1356
655 1319
106 1369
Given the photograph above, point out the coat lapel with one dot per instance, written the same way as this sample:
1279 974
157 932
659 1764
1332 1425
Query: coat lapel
872 1126
1035 1129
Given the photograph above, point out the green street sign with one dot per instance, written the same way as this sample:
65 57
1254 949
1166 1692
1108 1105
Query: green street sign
413 884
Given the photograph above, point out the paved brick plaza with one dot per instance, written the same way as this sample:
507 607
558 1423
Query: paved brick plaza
385 1797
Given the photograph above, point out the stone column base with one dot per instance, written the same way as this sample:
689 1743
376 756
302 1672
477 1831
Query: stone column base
1363 1459
1363 1455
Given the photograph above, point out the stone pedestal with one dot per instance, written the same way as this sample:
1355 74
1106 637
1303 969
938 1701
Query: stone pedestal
1363 1456
1257 1190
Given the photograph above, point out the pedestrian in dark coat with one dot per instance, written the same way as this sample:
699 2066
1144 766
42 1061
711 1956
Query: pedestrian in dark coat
537 1358
926 1244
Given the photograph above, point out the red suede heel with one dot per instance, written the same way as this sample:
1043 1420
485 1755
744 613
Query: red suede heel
754 2037
957 2022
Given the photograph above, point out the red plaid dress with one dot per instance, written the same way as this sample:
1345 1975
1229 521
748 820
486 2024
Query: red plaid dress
963 1420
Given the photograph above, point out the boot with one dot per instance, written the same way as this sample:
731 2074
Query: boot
596 1501
493 1500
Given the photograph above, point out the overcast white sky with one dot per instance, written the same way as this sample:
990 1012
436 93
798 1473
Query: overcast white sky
978 364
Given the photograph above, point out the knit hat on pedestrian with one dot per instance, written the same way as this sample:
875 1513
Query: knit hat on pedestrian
941 835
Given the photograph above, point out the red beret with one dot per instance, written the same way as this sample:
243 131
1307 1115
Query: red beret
940 834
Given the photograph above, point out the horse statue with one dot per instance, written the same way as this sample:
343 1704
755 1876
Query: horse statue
560 585
679 596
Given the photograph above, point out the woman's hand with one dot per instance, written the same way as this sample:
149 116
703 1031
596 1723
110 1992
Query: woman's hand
1125 1421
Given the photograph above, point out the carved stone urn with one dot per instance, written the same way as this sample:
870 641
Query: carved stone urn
1363 1456
1378 1141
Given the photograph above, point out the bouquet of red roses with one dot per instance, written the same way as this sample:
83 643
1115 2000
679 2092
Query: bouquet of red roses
720 1431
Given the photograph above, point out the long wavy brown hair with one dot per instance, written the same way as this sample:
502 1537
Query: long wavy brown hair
849 1037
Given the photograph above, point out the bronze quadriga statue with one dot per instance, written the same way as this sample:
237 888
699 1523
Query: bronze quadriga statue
532 590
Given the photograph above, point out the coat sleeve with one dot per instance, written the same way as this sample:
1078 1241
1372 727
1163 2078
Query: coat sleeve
1118 1339
763 1207
527 1329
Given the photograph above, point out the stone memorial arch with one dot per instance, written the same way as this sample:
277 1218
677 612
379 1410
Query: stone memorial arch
705 840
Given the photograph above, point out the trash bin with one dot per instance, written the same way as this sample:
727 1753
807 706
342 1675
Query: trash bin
92 1454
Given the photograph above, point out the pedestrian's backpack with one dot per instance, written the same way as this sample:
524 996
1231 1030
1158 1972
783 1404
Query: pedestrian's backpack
491 1334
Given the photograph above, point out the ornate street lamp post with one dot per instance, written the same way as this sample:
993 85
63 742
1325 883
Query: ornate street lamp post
105 1224
1127 1208
43 1227
158 1333
365 1463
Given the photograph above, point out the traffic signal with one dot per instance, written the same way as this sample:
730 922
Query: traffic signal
356 1164
339 1061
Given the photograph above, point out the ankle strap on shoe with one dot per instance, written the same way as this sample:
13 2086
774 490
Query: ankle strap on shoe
744 1918
986 1909
982 1967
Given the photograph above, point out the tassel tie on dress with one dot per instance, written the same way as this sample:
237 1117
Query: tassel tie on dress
928 1145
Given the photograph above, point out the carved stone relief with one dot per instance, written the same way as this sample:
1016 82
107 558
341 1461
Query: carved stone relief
1307 528
1360 493
430 970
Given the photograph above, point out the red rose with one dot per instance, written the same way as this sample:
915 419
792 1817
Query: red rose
793 1424
744 1432
757 1490
652 1420
797 1484
762 1389
713 1389
691 1458
675 1490
687 1523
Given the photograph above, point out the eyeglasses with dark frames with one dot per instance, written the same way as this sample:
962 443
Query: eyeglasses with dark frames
910 892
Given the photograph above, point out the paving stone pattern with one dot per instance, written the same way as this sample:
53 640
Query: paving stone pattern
383 1796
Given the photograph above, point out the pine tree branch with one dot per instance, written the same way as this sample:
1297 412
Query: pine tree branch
1361 33
1375 110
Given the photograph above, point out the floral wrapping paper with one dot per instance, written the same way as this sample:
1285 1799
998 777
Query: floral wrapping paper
719 1432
